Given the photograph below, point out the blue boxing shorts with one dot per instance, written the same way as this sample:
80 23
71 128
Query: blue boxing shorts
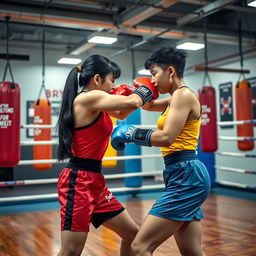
187 185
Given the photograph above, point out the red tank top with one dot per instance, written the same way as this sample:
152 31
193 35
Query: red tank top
91 141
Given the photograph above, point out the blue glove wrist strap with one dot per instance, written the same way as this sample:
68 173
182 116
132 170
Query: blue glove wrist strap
142 137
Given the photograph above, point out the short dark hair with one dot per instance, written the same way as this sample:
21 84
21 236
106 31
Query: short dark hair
168 56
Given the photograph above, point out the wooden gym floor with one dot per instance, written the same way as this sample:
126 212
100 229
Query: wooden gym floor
229 228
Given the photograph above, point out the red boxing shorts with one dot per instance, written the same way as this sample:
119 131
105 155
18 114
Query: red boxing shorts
84 198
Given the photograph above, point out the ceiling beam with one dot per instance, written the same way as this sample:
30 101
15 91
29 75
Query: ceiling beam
225 70
14 56
224 60
204 11
135 15
89 22
57 17
228 7
128 19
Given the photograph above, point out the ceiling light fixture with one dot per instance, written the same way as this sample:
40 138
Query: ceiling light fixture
102 38
251 3
144 72
190 46
71 61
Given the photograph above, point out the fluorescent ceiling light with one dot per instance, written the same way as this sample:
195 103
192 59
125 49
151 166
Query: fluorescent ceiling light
102 38
190 46
144 72
71 61
251 3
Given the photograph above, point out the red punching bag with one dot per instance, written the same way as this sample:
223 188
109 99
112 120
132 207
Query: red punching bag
208 136
9 124
42 116
244 111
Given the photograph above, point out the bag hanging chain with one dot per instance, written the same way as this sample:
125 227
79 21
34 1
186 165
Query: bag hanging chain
206 73
240 49
7 66
43 67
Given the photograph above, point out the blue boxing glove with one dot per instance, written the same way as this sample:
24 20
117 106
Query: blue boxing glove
130 134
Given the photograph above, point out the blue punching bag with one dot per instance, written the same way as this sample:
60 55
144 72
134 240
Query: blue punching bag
209 161
132 149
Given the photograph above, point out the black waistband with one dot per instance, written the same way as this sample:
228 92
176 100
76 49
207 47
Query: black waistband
180 156
86 164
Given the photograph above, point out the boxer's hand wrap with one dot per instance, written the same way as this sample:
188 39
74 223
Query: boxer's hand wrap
139 81
144 92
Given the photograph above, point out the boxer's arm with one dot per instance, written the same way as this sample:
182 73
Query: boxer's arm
98 100
156 105
120 114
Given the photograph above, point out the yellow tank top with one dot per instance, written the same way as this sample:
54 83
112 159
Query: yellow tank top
186 140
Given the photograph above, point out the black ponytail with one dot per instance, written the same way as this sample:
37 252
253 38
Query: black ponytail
94 64
66 118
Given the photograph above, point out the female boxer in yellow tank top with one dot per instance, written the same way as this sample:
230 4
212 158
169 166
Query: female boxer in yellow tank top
177 211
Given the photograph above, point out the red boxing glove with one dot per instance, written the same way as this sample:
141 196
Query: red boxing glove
129 89
119 91
123 89
146 82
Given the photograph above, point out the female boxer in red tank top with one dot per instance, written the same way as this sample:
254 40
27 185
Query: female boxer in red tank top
84 128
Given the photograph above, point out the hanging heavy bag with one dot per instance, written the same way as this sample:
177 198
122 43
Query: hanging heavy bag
42 116
244 111
9 124
9 115
208 136
207 98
